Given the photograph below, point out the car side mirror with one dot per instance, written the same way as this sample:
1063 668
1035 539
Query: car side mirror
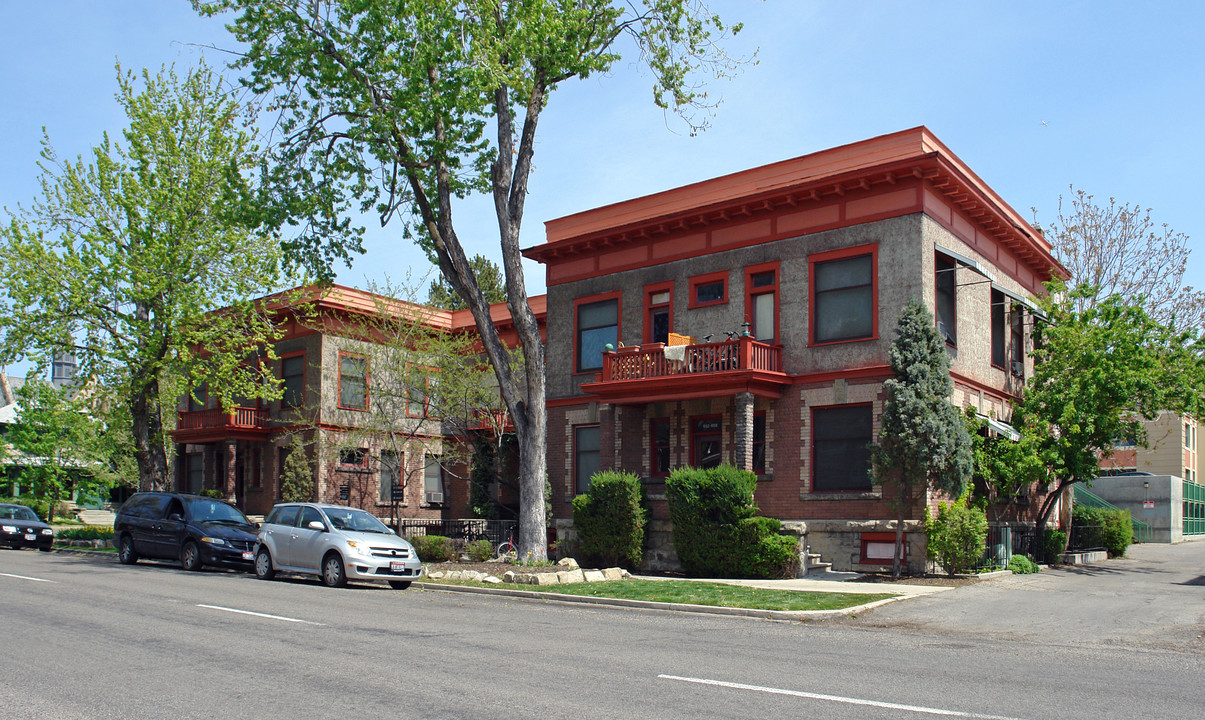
316 525
176 517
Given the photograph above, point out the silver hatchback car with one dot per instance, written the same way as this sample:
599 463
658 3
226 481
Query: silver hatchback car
335 543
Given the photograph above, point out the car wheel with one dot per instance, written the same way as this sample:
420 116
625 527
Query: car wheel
125 551
333 574
399 584
190 556
263 565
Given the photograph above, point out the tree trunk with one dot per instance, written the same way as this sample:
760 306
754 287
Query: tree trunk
148 442
899 532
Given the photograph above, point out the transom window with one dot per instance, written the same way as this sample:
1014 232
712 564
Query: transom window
709 289
843 299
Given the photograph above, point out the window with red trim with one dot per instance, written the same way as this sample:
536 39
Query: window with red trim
292 378
998 311
353 457
353 382
706 441
709 289
659 447
418 395
585 456
878 548
761 301
841 436
658 312
596 325
844 294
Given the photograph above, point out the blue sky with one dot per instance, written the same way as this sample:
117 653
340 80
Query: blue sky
1033 96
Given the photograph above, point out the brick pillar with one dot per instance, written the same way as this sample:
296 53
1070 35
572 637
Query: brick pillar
228 474
743 416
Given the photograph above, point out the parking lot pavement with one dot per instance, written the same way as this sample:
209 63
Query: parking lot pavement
1154 598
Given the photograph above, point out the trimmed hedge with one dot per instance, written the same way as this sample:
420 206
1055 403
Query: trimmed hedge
610 519
85 533
957 535
432 548
716 533
480 550
1111 529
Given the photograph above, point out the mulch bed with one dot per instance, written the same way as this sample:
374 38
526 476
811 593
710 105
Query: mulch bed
932 580
491 568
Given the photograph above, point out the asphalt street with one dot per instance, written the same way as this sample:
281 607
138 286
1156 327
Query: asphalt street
85 637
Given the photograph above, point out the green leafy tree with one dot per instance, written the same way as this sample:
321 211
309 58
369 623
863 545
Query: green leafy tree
956 535
923 441
1005 470
1099 372
443 295
122 258
297 477
387 106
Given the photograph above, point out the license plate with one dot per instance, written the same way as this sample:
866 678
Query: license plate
397 567
248 555
31 537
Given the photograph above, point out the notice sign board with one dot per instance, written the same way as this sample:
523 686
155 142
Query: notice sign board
1148 504
397 493
345 492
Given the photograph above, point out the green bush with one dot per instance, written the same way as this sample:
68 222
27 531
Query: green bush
480 550
716 533
610 519
1099 527
432 548
1053 543
85 533
41 507
957 534
1021 565
212 493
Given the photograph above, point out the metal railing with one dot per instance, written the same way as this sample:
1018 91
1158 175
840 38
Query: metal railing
1194 508
1084 496
462 531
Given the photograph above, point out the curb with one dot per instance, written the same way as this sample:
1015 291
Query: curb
780 615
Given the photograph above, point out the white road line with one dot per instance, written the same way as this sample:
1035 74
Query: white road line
26 577
263 615
839 699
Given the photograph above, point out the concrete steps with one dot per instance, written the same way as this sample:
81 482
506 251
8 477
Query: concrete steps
97 517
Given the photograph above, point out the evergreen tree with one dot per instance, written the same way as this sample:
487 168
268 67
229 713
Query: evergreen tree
442 294
923 440
296 478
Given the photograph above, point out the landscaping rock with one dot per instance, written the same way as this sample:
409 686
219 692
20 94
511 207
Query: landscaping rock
570 576
613 573
525 579
545 578
437 575
595 576
509 576
568 563
491 580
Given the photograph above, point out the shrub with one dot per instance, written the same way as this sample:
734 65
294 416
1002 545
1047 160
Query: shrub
1099 527
957 534
610 519
296 477
716 533
211 493
432 548
1053 543
85 533
480 550
1021 565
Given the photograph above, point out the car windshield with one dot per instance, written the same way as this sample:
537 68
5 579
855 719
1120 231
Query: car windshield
357 520
203 510
18 513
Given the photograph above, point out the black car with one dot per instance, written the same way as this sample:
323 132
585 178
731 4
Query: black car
21 527
177 526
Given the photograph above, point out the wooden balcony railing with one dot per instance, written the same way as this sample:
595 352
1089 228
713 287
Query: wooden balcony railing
216 418
651 361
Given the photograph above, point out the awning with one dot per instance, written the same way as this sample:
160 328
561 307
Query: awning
1003 428
968 263
1029 304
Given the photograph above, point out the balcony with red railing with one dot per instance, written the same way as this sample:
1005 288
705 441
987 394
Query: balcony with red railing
656 372
216 423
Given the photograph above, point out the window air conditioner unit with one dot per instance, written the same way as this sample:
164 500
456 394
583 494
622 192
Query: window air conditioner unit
434 498
1018 369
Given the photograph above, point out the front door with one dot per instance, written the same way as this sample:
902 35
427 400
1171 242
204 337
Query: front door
705 442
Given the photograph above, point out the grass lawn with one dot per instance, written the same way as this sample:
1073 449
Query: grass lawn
697 593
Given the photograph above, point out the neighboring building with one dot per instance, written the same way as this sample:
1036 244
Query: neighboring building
328 380
784 284
1171 449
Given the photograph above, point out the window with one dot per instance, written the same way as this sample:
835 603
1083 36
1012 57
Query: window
709 289
998 312
759 443
416 397
878 548
761 301
945 289
840 453
843 296
1018 340
597 327
353 382
707 450
433 479
292 375
353 456
659 447
309 515
1187 436
658 312
389 475
286 515
585 456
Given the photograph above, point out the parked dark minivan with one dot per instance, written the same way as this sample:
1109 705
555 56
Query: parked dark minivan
195 530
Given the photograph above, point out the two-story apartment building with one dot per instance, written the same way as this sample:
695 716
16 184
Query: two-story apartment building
747 319
332 372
